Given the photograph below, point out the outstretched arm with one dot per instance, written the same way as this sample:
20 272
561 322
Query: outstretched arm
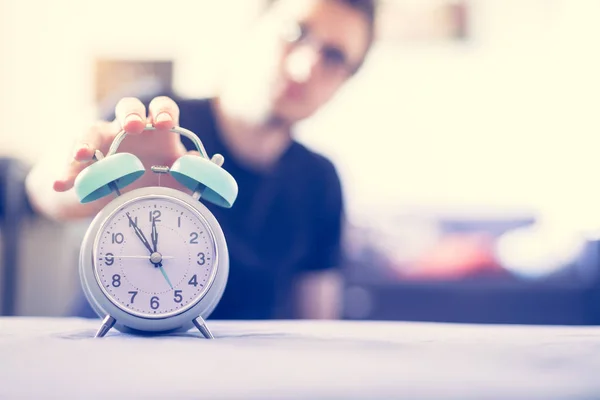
50 182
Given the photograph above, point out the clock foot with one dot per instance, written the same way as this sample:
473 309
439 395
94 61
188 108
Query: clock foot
201 325
107 323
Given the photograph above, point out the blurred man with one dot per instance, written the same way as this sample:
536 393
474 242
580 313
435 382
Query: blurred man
284 231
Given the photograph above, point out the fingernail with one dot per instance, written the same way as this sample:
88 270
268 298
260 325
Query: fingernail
78 148
132 118
58 185
163 117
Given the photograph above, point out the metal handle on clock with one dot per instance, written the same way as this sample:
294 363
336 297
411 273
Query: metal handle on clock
179 130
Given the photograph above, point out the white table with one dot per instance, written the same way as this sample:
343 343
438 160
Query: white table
58 358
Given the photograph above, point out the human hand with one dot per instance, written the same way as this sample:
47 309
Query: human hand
153 147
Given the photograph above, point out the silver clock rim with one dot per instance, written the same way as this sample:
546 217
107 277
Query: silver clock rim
202 305
185 204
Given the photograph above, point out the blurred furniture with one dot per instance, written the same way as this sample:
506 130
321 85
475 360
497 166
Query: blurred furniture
300 360
569 296
38 257
13 208
474 302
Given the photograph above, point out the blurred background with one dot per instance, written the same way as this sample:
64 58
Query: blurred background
476 199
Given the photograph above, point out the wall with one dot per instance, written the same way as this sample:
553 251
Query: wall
504 121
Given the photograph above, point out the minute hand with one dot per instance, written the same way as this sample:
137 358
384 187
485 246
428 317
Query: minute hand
154 235
140 234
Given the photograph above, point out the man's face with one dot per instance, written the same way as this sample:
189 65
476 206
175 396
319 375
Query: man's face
319 44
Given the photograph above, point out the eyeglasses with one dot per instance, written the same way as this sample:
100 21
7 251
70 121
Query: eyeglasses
334 59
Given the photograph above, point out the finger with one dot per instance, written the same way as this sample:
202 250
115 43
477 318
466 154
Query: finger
97 138
60 186
163 113
216 158
131 115
83 152
68 180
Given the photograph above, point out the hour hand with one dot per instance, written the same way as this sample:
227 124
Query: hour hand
140 234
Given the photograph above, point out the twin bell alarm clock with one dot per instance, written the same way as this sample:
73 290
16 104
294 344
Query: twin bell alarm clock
155 260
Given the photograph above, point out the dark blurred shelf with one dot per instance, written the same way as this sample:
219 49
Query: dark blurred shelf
475 302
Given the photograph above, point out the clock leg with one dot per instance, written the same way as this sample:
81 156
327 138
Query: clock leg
107 323
201 325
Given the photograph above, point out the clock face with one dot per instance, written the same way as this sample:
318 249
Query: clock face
155 256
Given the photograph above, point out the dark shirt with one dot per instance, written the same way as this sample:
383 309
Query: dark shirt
283 223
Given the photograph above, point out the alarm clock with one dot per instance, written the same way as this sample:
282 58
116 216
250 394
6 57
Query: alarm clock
155 260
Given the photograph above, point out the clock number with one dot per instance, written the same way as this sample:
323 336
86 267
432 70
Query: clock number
178 297
202 260
193 238
155 215
134 222
117 238
193 281
133 294
179 222
109 259
116 280
154 303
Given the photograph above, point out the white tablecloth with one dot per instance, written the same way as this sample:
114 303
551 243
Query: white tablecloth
58 358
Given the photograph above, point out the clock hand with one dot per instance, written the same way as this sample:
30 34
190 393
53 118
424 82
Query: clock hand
159 266
145 257
154 235
140 234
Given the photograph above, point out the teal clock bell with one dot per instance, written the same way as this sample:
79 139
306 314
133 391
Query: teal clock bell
155 260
